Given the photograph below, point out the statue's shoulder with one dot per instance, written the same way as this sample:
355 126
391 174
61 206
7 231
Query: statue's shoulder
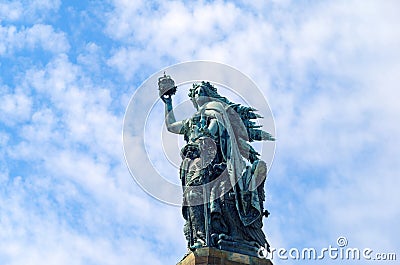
215 106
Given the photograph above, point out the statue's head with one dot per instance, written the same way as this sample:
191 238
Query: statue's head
202 92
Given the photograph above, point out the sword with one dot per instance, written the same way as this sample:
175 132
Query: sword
206 210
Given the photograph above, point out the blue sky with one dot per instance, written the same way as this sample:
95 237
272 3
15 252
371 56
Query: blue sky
329 70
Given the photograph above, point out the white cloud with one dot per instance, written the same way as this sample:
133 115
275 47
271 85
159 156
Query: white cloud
173 30
27 10
14 107
38 36
32 233
10 11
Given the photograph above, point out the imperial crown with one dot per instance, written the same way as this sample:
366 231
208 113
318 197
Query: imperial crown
166 86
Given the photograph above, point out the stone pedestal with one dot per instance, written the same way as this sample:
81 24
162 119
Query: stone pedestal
214 256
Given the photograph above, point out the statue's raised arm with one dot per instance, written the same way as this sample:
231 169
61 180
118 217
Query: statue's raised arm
167 88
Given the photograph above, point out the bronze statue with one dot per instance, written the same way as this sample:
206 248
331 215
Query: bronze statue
221 173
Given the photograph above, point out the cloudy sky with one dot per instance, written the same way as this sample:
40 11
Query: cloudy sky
329 70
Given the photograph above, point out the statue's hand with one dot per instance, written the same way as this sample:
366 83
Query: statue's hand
167 99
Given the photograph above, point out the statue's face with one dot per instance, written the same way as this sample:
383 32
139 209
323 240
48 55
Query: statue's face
200 96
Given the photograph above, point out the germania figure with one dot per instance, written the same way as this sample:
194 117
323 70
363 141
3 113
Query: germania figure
221 173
